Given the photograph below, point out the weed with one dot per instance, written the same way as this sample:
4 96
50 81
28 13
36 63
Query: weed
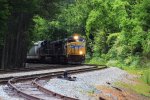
141 87
146 76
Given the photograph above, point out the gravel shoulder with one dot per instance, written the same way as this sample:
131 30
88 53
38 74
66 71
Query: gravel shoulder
86 83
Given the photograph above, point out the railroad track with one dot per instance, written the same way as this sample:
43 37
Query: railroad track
41 67
31 88
4 79
36 67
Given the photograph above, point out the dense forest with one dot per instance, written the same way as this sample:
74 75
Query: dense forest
117 31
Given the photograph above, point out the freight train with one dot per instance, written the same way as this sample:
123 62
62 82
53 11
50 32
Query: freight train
70 50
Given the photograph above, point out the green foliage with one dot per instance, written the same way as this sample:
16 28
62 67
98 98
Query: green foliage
46 27
23 5
4 13
146 76
112 38
8 8
113 63
91 21
40 28
97 60
49 9
132 61
47 30
73 17
146 45
99 43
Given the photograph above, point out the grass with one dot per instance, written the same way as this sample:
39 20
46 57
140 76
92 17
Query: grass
143 82
96 60
144 73
146 76
140 87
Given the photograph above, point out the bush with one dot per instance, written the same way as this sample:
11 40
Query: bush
113 63
132 61
97 60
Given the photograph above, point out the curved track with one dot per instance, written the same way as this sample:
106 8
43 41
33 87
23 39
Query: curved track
31 88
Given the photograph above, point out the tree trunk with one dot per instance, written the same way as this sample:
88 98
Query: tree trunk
15 48
1 52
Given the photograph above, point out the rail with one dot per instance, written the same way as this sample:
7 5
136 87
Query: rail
11 83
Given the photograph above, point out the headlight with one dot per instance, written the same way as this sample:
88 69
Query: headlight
80 52
76 37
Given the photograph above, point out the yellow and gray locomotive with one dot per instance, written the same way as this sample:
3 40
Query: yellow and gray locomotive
70 50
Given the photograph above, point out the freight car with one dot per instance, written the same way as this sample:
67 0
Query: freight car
69 50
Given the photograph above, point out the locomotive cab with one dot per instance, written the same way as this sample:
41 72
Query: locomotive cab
76 49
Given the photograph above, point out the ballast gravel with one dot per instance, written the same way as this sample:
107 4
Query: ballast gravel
86 83
5 96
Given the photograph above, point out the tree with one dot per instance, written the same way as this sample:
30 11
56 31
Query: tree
15 48
4 13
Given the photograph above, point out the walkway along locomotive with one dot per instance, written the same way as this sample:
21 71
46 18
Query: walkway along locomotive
70 50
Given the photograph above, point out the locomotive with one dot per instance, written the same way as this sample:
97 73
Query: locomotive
70 50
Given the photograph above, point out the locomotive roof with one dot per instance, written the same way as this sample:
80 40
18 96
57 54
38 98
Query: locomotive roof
58 41
38 42
64 40
72 38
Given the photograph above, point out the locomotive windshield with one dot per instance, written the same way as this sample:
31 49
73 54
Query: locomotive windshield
80 39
